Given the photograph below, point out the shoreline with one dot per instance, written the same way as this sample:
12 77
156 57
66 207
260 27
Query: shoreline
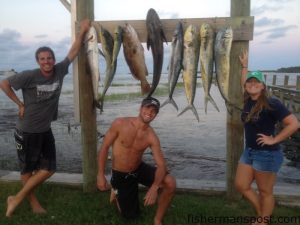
192 150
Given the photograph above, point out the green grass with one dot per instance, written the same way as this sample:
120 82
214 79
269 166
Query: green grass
70 206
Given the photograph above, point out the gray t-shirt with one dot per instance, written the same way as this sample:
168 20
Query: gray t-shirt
40 95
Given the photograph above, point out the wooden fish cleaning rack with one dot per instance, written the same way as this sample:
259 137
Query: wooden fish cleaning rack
242 24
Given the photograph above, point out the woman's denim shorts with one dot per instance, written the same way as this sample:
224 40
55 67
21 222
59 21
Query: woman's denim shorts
262 160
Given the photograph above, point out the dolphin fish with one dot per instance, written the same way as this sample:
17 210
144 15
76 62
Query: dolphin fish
222 60
207 38
175 65
190 65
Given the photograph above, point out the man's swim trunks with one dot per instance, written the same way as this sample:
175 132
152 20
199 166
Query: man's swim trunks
125 186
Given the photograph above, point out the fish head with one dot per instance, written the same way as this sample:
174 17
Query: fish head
206 31
227 38
90 39
118 30
224 40
228 33
128 29
91 35
128 33
178 30
191 34
104 34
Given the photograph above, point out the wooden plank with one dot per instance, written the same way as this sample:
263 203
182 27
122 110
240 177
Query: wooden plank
242 26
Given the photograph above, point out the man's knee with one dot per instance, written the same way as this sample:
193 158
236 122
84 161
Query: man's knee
169 183
46 173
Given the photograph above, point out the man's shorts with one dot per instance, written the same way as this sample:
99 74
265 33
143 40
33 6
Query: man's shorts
125 186
262 160
36 151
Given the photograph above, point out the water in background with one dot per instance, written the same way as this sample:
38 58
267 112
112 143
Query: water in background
192 150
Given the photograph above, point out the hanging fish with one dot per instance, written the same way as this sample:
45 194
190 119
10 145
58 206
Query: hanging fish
175 65
190 65
155 40
207 38
222 60
111 55
134 56
92 51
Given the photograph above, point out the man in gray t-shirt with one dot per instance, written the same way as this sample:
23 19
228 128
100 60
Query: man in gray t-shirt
41 95
35 143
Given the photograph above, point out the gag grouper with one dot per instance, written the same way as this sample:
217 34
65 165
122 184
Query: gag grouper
190 64
207 38
155 40
92 51
175 65
134 56
222 60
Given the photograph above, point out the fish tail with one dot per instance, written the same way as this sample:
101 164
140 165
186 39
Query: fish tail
97 104
170 100
191 107
212 101
145 87
150 92
101 104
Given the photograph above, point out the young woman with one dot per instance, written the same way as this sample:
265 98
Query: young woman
262 156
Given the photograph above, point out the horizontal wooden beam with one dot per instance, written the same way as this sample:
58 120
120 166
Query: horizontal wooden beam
242 26
66 4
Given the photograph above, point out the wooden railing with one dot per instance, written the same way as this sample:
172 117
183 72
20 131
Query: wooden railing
288 94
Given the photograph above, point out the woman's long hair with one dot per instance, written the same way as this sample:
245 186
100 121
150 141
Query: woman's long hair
261 104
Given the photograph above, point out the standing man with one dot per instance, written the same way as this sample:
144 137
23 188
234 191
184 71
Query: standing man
129 138
35 143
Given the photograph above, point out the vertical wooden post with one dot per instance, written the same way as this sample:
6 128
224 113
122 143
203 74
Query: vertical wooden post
286 81
274 80
235 137
298 83
81 9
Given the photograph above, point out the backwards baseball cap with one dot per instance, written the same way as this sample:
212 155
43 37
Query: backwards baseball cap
257 75
151 101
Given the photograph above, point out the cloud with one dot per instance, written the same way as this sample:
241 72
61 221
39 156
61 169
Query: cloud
280 32
268 22
41 36
256 11
270 6
275 33
12 52
281 1
8 40
19 56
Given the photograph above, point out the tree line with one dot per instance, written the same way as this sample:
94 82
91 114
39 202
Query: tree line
293 69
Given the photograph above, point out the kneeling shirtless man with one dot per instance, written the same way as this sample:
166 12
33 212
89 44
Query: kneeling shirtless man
129 138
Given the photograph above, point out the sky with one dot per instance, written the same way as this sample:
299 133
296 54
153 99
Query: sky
27 25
